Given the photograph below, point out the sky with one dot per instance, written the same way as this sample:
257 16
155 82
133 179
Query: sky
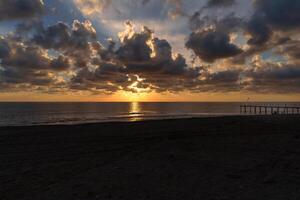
149 50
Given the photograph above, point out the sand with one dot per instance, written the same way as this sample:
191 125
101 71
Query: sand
223 158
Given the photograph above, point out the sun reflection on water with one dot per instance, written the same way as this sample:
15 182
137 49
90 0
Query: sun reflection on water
135 111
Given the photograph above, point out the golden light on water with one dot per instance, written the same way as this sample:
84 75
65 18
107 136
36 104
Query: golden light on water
135 111
135 107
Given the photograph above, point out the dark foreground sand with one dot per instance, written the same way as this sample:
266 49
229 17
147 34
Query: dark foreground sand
215 159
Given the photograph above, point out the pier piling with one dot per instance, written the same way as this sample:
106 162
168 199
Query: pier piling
270 109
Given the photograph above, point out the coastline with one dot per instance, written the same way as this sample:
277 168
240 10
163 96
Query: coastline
236 157
124 119
127 119
150 119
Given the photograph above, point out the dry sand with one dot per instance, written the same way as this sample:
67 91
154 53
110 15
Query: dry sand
226 158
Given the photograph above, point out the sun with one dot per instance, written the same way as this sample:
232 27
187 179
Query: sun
135 96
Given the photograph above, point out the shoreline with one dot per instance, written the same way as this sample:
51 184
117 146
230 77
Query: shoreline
127 119
145 120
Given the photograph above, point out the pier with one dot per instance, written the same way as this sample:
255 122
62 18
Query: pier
269 110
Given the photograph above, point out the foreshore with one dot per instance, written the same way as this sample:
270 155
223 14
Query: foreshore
219 158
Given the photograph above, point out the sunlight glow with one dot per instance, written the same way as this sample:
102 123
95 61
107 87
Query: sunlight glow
135 111
135 97
128 33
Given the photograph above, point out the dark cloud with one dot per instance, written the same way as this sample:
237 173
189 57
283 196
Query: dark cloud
56 36
82 33
107 78
230 23
61 37
262 77
60 63
271 25
271 16
22 76
266 32
4 48
212 45
259 31
224 77
135 48
196 22
20 9
26 63
273 77
227 80
140 61
26 57
210 37
280 14
77 41
38 60
220 3
291 49
275 43
139 55
227 24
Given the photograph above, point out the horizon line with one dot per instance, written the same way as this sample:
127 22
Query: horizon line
149 101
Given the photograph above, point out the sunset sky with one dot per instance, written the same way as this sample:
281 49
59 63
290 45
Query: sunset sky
149 50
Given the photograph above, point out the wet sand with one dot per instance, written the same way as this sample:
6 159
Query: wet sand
224 158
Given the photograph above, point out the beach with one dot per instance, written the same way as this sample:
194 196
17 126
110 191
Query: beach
216 158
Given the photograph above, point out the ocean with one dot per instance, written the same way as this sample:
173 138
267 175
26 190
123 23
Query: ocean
27 114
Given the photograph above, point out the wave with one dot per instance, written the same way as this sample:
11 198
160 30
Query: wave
131 117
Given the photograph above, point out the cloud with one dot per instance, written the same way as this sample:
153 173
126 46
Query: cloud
267 77
61 36
129 9
177 11
259 31
24 63
60 63
26 57
47 55
89 7
210 39
211 45
77 41
280 14
220 3
260 76
4 48
271 25
143 53
18 9
57 36
227 80
107 78
134 47
271 16
292 50
14 76
142 62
